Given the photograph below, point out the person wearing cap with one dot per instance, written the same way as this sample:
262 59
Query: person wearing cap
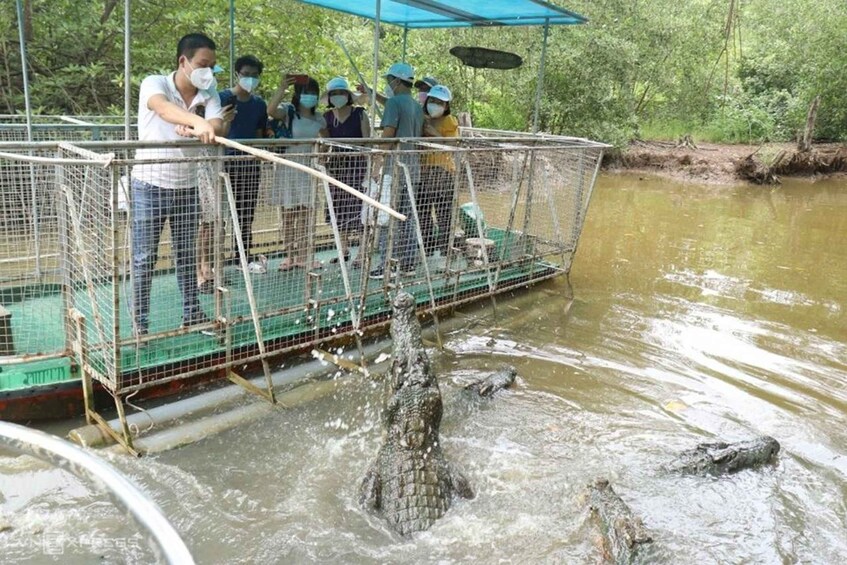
424 85
402 118
438 169
345 121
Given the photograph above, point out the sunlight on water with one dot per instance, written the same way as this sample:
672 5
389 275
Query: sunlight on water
698 314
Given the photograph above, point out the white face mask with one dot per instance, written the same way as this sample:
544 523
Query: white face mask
389 91
202 78
248 83
435 110
338 100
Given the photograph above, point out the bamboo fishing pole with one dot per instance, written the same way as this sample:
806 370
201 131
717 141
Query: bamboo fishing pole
268 156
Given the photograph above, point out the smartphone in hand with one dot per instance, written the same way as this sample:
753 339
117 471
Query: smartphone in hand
227 98
299 79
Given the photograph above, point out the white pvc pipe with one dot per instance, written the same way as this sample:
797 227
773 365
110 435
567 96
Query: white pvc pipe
36 223
231 43
376 67
67 456
196 430
201 428
540 84
24 68
127 72
91 436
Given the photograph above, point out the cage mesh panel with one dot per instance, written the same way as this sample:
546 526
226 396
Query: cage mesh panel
30 273
83 194
491 211
54 128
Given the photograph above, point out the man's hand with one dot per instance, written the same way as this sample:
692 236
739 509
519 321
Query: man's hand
287 80
204 131
184 131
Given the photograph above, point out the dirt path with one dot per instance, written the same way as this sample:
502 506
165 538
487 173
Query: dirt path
711 163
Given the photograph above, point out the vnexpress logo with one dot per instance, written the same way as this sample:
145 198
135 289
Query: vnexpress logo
53 543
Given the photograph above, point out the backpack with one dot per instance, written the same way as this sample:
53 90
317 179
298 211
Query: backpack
282 128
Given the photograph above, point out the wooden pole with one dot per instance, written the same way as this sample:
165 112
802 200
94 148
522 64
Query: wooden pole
267 155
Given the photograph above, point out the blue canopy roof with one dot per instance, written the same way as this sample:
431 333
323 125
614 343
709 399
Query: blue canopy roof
414 14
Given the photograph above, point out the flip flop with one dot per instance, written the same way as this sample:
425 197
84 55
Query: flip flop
316 266
334 260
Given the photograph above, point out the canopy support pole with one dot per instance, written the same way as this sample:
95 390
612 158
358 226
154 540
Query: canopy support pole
36 231
127 76
231 43
376 67
405 39
24 71
540 77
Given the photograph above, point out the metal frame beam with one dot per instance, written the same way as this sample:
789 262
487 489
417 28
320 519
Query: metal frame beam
540 85
127 72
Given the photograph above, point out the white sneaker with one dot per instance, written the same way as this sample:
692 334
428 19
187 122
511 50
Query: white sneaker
259 266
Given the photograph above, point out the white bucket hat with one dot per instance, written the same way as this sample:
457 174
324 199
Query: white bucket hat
338 83
440 92
403 71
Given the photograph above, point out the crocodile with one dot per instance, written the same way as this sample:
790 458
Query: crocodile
624 536
411 484
504 378
721 458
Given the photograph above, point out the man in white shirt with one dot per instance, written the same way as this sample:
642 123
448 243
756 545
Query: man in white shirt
168 191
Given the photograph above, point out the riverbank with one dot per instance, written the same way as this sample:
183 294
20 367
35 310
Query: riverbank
711 163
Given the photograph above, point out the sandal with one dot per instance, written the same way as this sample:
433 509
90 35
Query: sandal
334 260
316 266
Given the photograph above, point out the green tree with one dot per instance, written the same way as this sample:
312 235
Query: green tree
731 70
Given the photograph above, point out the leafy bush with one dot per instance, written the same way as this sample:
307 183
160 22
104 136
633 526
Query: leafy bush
740 121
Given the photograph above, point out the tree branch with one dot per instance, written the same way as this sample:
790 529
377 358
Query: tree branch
107 10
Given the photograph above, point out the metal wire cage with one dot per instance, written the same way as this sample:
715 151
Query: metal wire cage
13 127
149 263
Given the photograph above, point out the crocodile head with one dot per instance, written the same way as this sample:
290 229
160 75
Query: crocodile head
403 314
747 453
410 366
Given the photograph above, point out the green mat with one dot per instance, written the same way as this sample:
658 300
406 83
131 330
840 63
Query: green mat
273 291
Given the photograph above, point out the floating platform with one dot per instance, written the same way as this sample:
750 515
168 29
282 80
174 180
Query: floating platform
508 213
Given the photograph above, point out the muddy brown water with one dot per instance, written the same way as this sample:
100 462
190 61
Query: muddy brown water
698 313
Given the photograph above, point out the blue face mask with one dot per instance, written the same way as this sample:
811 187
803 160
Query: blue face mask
248 83
308 100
